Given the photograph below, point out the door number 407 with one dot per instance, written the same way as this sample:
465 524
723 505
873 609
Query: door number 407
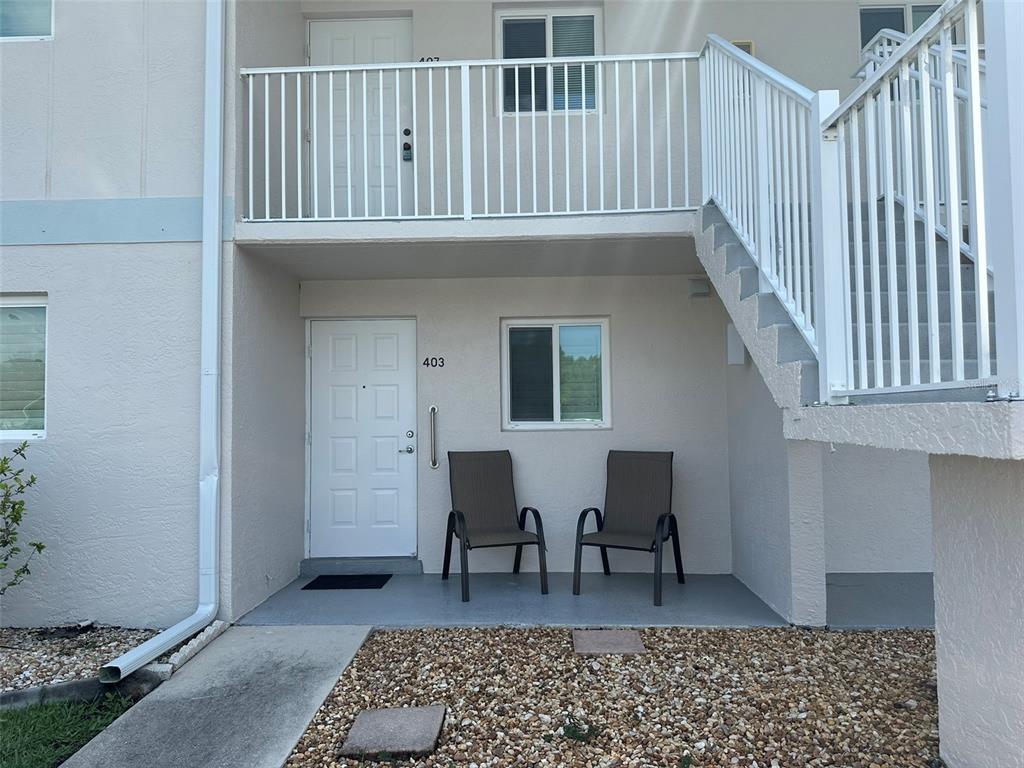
433 362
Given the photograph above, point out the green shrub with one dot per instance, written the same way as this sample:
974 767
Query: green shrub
13 485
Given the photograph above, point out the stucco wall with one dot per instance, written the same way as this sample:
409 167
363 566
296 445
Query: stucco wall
758 488
116 498
878 515
667 367
267 415
978 507
110 108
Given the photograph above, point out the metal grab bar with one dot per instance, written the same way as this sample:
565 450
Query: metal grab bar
433 437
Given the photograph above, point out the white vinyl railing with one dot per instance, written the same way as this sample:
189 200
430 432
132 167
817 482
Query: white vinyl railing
844 207
759 131
916 275
523 137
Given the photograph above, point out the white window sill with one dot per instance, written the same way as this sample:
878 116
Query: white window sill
18 435
542 426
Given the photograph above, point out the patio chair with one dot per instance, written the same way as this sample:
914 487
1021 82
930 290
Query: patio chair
484 512
637 513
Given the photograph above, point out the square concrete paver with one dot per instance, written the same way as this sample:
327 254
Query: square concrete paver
397 731
607 641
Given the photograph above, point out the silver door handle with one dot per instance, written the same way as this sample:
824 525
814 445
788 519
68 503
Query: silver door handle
433 437
408 449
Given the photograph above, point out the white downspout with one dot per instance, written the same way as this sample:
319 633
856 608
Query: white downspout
209 345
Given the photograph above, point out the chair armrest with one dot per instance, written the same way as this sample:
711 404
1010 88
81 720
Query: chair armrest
662 528
583 520
537 524
460 525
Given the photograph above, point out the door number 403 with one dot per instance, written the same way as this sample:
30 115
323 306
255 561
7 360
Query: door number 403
433 362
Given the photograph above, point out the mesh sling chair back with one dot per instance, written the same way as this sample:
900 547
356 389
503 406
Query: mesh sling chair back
484 512
637 513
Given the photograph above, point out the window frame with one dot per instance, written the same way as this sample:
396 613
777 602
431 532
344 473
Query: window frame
33 301
556 424
545 13
32 39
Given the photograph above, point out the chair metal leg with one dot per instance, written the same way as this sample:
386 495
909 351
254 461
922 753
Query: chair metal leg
519 558
464 566
543 561
674 531
576 566
657 572
448 547
604 561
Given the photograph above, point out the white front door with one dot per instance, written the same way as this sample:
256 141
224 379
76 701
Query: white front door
362 427
367 129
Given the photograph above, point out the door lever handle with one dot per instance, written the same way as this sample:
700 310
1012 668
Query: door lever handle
408 449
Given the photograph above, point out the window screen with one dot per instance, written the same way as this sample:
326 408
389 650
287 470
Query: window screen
26 18
573 36
525 39
579 372
22 368
873 20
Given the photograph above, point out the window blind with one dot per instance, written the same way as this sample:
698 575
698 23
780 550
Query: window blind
573 36
530 375
22 367
525 39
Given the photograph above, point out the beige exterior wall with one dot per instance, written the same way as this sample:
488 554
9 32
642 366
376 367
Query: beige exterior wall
667 368
116 499
978 507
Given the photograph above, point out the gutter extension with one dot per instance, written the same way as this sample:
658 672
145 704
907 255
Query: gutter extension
209 344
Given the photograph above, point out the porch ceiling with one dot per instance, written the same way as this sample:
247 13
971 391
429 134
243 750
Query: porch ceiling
482 258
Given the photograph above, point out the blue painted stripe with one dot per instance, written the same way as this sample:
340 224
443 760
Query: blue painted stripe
117 220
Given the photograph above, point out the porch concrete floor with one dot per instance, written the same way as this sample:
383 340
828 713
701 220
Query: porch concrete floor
505 599
880 600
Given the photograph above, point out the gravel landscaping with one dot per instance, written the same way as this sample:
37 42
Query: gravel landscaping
31 657
772 698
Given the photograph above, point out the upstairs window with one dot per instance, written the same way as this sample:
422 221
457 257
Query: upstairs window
22 368
555 374
26 19
900 18
544 34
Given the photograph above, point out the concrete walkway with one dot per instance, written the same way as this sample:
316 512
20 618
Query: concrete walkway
243 701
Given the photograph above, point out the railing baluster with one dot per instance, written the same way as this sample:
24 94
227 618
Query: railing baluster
249 86
891 258
533 132
398 140
518 167
871 162
668 132
549 76
467 146
650 126
844 244
599 105
909 221
330 136
298 142
501 137
348 140
484 135
928 194
430 136
806 303
858 250
565 114
366 153
636 172
953 226
976 188
266 144
618 144
313 99
284 166
380 139
447 138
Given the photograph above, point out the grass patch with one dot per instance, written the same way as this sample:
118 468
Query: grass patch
46 735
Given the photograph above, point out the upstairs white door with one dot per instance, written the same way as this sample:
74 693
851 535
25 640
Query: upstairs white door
368 126
362 438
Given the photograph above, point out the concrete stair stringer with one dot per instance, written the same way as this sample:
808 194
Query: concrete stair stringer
784 360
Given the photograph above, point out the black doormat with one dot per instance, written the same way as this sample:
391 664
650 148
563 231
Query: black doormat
350 581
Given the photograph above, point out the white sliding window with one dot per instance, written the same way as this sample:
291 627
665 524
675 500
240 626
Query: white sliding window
555 374
22 368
